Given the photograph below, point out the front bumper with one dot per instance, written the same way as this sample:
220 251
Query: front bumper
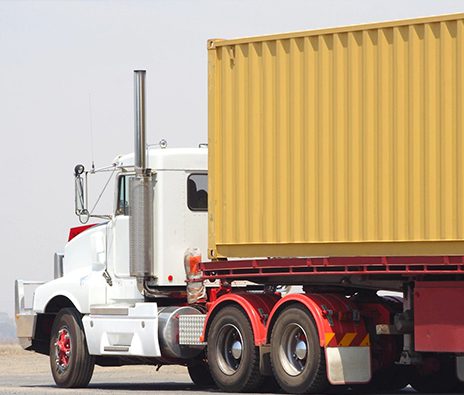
25 317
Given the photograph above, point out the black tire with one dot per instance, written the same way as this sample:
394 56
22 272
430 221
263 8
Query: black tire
75 369
270 385
200 375
390 379
233 358
297 360
442 379
393 378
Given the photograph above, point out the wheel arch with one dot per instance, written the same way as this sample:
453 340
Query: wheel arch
58 302
44 322
256 308
301 300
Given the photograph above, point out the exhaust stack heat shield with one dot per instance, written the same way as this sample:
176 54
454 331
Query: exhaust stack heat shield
141 226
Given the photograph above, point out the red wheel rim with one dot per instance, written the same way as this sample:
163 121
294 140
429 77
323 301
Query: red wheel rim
62 349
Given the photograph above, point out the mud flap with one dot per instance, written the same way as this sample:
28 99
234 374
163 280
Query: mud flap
348 365
265 360
460 367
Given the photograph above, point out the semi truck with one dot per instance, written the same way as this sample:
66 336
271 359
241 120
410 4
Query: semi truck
333 177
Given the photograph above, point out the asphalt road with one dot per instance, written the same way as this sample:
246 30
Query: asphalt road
24 372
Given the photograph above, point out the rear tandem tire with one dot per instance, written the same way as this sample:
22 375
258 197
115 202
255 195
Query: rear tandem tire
298 361
441 378
233 357
200 375
390 379
70 362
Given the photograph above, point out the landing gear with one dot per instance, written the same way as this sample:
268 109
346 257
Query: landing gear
233 357
71 364
298 361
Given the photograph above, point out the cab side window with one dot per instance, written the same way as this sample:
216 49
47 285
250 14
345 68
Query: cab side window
123 196
197 192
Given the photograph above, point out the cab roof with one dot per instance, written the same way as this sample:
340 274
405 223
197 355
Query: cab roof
170 159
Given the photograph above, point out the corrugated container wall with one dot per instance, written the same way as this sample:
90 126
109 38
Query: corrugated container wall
338 142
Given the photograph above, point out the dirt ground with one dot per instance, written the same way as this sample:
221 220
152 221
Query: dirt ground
23 372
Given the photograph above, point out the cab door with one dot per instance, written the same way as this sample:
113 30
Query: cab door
123 288
121 267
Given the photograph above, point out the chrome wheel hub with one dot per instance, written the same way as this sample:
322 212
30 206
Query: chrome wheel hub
229 349
293 349
237 350
300 350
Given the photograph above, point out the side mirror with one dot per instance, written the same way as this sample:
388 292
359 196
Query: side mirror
80 195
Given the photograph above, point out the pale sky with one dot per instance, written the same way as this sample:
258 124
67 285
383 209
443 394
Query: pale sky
54 54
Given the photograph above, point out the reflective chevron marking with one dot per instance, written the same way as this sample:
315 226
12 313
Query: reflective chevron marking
349 339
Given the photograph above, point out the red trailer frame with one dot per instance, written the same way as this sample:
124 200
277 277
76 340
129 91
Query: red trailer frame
278 267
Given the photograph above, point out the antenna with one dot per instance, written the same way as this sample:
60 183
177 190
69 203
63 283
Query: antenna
91 132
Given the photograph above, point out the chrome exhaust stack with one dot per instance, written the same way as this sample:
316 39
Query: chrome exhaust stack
141 194
140 151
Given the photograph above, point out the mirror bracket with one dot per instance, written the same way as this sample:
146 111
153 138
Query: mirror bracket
80 194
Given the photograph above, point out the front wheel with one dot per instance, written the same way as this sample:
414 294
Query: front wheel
233 357
298 361
70 362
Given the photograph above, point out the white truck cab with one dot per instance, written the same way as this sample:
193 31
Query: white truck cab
96 262
94 288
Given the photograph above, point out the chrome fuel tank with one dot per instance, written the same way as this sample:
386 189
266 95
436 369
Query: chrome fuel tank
168 332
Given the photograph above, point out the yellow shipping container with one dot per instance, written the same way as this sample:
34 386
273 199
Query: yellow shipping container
338 142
